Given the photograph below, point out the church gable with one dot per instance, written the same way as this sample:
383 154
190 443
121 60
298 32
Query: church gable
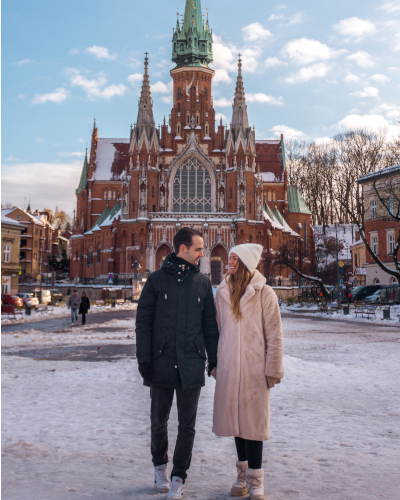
269 157
112 159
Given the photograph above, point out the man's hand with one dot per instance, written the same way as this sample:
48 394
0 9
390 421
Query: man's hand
145 370
211 368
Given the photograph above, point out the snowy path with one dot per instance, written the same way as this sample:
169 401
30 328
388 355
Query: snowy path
80 430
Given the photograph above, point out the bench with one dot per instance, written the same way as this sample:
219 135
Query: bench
366 311
43 308
119 301
329 308
10 310
99 302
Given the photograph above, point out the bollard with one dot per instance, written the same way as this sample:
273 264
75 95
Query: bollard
113 303
386 313
346 310
28 310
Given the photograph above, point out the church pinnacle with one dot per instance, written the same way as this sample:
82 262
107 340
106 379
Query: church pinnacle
192 41
239 111
145 113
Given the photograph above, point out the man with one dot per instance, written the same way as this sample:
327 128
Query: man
74 302
175 325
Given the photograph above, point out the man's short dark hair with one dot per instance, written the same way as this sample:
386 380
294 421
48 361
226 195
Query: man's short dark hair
185 237
75 291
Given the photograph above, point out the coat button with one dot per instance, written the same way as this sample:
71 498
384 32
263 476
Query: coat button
176 366
159 350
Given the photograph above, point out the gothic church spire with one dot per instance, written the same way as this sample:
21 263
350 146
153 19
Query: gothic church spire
145 117
239 111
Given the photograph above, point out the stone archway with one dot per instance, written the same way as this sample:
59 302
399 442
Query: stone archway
162 252
219 263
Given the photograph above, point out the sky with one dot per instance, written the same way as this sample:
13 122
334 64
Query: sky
311 70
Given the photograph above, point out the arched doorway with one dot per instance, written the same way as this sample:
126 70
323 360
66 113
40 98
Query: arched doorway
393 281
376 281
161 253
219 263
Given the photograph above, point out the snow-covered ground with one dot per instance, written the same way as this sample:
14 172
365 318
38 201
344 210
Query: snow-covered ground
313 308
75 429
58 311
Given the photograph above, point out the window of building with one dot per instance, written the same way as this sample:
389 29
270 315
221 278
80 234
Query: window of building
105 195
178 129
188 117
207 129
250 239
154 208
36 231
373 209
179 94
90 256
109 194
273 195
152 192
203 47
114 193
83 195
375 245
99 254
7 253
391 244
390 205
269 196
305 237
230 193
35 243
182 47
179 106
192 187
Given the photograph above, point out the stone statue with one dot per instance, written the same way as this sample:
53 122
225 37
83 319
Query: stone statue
221 201
259 208
242 199
150 236
162 200
142 198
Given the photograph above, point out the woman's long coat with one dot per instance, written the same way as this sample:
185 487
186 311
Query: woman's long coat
241 401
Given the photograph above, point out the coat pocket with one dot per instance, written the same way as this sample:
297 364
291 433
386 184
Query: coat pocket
200 348
158 350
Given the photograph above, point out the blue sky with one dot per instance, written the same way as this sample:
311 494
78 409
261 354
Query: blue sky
311 70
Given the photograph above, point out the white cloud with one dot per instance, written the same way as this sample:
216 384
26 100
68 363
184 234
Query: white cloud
74 51
370 121
367 92
58 96
305 74
263 98
23 61
76 154
351 78
100 52
95 88
218 117
322 140
390 6
133 63
22 96
135 77
255 32
355 28
270 62
40 140
222 76
288 132
393 68
397 42
274 17
304 51
296 18
380 78
361 58
81 140
161 88
167 99
222 102
39 180
392 111
12 158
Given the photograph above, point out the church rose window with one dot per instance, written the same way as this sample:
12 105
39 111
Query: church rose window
192 187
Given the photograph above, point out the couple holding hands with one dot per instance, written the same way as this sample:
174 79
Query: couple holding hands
178 327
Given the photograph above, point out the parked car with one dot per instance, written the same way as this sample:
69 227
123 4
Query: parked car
360 292
375 298
11 300
45 298
56 295
29 299
389 294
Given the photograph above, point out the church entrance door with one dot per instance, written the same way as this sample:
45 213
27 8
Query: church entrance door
216 271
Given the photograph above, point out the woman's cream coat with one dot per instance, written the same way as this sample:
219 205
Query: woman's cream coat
241 401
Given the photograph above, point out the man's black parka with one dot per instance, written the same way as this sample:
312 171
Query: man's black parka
176 324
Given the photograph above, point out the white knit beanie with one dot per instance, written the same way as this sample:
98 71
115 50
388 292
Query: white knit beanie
249 254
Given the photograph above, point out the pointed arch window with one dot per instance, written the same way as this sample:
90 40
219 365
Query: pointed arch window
178 128
109 194
182 47
179 93
105 195
179 106
192 187
203 47
90 256
99 254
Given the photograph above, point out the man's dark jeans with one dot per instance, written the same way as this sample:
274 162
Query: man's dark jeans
161 403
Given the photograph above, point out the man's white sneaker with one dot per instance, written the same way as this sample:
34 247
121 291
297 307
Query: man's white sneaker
175 489
161 482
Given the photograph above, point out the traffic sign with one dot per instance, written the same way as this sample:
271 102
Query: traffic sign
110 281
110 276
20 270
341 281
341 264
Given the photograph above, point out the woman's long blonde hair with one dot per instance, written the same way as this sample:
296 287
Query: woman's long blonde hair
237 286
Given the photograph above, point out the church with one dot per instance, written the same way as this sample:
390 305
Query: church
135 193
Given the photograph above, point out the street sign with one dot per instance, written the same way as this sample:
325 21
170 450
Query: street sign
341 264
39 277
110 276
19 270
341 281
110 281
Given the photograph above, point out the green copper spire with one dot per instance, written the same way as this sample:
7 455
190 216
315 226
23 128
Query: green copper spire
192 42
84 175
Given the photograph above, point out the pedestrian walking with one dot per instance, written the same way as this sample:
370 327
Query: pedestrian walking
175 327
74 303
84 307
68 292
250 355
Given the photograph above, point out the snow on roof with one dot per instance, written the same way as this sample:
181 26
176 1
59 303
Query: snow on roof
269 215
379 173
270 177
112 159
268 141
8 220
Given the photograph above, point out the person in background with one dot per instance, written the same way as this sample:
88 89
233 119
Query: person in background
250 363
175 326
84 307
74 302
68 292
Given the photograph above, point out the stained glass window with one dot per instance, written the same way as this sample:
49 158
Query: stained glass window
192 188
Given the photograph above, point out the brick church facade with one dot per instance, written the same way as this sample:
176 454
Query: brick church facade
135 193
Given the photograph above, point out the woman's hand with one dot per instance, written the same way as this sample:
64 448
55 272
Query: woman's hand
271 381
214 373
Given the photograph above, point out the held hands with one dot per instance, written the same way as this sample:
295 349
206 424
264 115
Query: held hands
145 370
212 370
271 381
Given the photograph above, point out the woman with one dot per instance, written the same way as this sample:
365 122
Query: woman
84 307
250 359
